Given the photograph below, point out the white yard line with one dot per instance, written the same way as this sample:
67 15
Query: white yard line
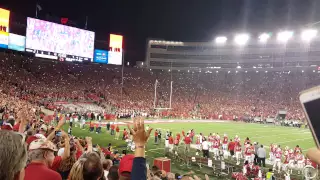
278 135
295 140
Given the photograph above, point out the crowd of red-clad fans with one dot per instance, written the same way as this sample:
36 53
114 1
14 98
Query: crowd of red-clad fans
202 95
27 83
33 150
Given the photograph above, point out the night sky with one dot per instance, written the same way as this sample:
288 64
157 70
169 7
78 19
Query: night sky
178 20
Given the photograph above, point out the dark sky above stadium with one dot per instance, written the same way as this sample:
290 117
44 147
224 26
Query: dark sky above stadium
178 20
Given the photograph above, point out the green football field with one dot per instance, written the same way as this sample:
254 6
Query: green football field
264 134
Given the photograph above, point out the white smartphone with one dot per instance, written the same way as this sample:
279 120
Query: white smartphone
310 100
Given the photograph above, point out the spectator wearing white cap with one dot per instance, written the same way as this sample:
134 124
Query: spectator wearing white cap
13 155
41 155
42 131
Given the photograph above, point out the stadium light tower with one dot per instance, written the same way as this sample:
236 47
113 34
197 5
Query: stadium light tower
221 40
284 36
263 38
241 39
308 34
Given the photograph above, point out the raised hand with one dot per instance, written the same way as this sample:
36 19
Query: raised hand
140 136
88 139
314 155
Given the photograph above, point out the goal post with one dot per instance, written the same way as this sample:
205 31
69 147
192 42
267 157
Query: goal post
156 98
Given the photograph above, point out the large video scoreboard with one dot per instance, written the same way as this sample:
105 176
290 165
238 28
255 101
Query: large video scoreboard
55 41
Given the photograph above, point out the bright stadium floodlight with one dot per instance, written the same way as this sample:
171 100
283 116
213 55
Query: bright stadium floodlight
221 40
241 39
284 36
308 34
263 38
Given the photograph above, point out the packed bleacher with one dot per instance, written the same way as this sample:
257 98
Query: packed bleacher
207 96
28 83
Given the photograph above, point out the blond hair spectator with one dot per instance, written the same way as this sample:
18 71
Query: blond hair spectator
13 155
88 167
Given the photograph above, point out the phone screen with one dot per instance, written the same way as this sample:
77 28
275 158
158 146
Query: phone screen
58 133
312 109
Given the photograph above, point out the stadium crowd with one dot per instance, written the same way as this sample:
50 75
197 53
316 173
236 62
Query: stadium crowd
28 83
195 95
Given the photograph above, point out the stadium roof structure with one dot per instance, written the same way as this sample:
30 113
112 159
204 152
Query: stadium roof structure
283 51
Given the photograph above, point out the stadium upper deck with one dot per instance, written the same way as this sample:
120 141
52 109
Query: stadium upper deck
209 56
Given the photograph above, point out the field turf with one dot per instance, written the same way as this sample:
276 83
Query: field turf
264 134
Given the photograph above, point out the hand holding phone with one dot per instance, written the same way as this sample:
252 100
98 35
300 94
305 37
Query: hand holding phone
310 100
58 133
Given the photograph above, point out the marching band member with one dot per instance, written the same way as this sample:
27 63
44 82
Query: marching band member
252 152
291 160
225 142
216 146
247 153
271 153
201 138
176 142
210 140
277 160
297 149
299 157
255 170
198 142
171 142
286 156
246 168
217 136
247 141
237 139
238 152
